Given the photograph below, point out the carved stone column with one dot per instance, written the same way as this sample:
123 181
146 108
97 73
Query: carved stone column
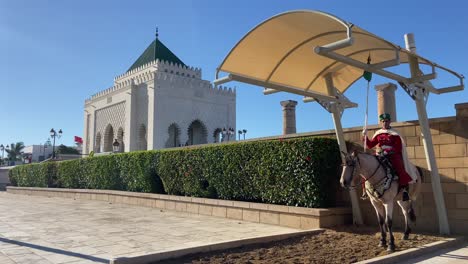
289 116
386 100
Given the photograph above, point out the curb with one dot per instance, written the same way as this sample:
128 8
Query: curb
415 252
208 248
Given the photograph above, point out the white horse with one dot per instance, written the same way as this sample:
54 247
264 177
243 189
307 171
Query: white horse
370 170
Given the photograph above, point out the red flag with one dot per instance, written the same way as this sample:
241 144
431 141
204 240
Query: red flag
78 140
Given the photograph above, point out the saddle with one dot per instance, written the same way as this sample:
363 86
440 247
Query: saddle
377 190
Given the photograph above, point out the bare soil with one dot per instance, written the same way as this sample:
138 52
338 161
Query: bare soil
347 244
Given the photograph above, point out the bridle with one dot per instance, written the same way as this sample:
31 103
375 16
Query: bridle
351 162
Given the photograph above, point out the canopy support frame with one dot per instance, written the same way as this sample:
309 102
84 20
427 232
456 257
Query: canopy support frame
336 111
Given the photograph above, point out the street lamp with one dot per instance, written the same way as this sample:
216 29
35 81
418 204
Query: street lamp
8 148
245 132
54 135
115 146
229 132
2 148
240 133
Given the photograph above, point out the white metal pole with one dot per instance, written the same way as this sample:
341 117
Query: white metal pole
427 142
357 216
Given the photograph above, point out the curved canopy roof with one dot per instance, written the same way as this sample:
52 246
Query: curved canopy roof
299 48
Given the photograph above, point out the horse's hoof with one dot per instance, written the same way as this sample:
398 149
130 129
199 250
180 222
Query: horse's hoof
391 248
382 244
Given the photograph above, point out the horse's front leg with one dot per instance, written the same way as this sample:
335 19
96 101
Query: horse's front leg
380 211
388 222
406 208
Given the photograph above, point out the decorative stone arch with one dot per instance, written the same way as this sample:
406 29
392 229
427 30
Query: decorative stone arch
108 138
217 135
142 138
197 133
97 146
120 137
174 136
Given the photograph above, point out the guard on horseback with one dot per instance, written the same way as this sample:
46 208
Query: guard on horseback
391 147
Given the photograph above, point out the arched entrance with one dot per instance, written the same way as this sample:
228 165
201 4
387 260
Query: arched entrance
97 146
108 138
142 138
197 133
174 136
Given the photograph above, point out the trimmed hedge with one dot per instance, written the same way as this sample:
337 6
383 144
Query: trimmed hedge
297 172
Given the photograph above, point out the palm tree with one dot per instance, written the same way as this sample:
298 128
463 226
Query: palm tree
15 151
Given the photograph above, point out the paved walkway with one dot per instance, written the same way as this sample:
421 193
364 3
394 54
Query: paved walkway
41 230
457 255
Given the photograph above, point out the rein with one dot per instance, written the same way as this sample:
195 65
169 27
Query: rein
373 174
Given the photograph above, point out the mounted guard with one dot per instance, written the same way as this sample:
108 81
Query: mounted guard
391 147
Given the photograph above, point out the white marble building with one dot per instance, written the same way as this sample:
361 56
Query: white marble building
159 102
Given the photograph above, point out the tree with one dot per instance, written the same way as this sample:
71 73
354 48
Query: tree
16 151
62 149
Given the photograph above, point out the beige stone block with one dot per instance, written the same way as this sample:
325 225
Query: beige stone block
225 202
443 139
407 131
205 210
433 127
309 222
461 174
458 226
451 162
455 187
240 204
210 201
251 215
413 141
259 206
197 200
269 218
452 150
419 152
219 211
289 220
450 200
447 127
193 208
170 205
181 206
160 204
447 175
234 213
420 163
278 208
411 153
461 200
461 139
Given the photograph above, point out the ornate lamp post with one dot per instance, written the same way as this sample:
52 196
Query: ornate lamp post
2 148
115 146
240 133
245 132
228 132
54 135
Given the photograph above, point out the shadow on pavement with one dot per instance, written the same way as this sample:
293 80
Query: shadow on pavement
54 250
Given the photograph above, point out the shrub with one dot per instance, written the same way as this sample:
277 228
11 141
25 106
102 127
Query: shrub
297 172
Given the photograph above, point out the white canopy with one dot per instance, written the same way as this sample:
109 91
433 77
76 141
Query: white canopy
295 50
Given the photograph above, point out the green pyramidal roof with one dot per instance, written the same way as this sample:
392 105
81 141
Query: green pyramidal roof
152 53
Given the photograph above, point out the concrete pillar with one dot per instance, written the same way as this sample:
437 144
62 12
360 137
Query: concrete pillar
461 129
289 116
386 100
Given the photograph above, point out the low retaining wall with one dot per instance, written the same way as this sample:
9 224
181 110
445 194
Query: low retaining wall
289 216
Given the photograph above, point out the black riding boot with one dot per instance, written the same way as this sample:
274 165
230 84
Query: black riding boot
405 193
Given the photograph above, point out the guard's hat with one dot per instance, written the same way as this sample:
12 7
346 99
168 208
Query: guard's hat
385 117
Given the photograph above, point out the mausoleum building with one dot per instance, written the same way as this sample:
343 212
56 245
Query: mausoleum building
159 102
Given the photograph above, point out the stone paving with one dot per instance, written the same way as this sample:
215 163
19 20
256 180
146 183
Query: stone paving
43 230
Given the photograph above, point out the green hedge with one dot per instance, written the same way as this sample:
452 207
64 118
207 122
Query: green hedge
298 172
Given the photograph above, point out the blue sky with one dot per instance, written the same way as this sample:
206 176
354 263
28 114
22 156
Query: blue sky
55 54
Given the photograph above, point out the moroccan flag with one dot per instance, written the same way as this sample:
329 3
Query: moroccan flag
78 140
